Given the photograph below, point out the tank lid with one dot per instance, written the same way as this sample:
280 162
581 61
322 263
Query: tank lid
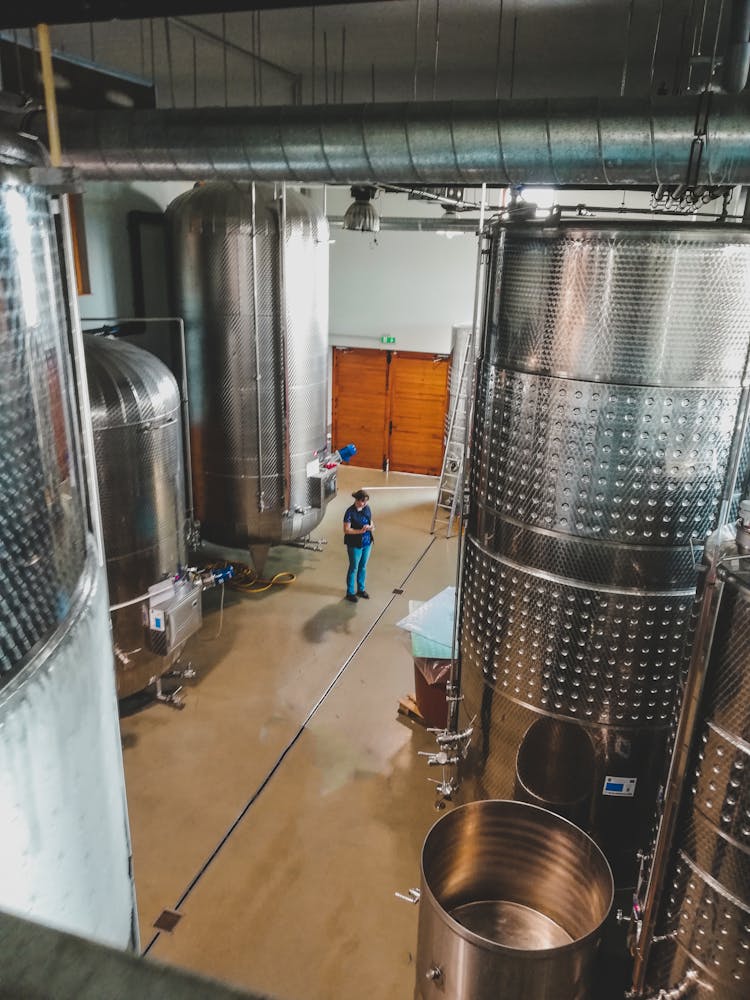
625 228
19 150
127 384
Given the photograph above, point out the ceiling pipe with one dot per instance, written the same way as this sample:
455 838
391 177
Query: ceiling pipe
694 140
736 64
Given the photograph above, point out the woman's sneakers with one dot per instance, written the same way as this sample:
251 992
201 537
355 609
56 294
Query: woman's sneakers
352 597
363 593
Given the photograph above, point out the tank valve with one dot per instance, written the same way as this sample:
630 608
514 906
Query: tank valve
435 974
460 742
214 577
439 759
412 895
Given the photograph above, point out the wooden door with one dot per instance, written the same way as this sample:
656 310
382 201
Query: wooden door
392 405
419 402
360 404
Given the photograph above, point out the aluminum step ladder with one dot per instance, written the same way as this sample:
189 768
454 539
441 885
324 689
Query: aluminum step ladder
450 502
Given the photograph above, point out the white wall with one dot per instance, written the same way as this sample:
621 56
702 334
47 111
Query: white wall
106 206
412 286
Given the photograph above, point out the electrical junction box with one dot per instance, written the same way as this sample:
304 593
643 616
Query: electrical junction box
175 613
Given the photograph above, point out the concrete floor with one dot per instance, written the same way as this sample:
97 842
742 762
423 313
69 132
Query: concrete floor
281 809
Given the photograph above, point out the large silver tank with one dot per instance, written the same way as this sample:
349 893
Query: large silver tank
704 928
251 281
607 408
512 903
65 851
135 409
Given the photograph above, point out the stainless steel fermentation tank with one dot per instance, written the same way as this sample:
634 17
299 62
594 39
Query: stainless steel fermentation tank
703 933
512 903
135 409
65 857
251 281
607 422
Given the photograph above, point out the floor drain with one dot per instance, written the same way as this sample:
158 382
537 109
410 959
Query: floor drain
168 920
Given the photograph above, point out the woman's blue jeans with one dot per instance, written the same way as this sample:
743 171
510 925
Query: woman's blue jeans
357 568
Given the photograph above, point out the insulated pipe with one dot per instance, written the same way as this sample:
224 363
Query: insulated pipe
589 141
736 64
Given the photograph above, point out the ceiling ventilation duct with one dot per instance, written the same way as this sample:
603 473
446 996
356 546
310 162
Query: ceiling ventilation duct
65 857
607 431
251 279
693 140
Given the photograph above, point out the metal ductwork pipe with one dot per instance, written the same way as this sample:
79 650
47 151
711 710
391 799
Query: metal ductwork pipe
667 140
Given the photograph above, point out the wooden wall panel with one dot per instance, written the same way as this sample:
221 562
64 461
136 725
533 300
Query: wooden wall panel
419 401
360 404
392 405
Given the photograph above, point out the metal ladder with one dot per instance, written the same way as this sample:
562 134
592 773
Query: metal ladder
450 496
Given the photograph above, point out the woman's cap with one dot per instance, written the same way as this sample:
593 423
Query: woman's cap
360 495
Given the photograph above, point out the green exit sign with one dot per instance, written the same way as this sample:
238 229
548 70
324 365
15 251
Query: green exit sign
387 340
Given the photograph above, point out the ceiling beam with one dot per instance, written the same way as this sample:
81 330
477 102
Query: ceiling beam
27 15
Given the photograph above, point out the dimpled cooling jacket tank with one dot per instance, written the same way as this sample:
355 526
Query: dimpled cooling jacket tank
608 401
65 854
704 926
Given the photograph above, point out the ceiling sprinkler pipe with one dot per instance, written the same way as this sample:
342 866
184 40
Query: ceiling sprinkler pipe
574 142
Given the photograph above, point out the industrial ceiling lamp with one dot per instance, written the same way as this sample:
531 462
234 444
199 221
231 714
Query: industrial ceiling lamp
361 214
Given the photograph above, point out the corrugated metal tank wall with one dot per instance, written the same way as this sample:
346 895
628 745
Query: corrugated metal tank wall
135 408
65 855
251 281
608 394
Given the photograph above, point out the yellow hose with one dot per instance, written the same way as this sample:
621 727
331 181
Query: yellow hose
247 581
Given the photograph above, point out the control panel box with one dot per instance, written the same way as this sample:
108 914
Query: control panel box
321 487
175 612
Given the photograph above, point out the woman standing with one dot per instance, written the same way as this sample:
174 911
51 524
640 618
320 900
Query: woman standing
358 539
